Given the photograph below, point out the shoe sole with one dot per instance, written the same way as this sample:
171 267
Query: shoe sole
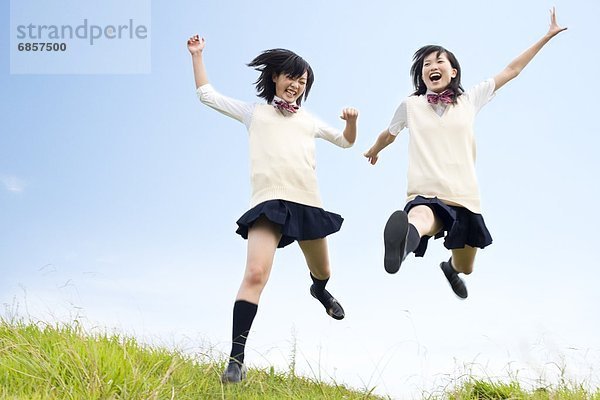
394 239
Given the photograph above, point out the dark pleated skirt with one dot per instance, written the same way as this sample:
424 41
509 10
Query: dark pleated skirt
460 226
297 221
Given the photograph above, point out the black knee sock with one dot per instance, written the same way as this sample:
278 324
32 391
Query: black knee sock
243 315
413 239
320 288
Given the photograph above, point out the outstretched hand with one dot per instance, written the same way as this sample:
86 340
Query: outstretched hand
195 44
372 156
554 29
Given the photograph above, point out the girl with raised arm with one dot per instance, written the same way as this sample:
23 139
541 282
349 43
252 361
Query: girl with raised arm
443 194
285 205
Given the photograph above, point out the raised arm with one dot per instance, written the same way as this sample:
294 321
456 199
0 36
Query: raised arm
350 115
516 66
196 45
233 108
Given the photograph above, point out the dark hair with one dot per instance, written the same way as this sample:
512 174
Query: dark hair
279 61
417 68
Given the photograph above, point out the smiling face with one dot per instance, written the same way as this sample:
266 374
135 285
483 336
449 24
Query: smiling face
437 72
289 88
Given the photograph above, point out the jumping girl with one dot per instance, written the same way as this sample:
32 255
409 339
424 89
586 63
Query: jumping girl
285 204
443 194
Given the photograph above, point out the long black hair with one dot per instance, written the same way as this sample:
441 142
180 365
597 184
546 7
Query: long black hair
276 62
416 69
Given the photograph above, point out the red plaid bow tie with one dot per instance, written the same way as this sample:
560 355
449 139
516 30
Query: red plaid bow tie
446 97
285 106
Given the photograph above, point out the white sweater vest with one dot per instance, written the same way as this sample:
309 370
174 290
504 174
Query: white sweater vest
282 157
442 153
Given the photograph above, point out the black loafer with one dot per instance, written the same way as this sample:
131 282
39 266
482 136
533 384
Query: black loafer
332 306
234 373
456 283
395 235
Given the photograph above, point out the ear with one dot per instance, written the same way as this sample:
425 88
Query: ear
454 73
274 77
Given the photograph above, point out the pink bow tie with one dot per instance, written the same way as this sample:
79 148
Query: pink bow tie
285 106
446 97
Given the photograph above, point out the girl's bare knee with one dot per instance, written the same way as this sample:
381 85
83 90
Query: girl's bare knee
256 276
422 213
423 218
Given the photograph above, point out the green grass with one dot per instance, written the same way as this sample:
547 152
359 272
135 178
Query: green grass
42 361
477 389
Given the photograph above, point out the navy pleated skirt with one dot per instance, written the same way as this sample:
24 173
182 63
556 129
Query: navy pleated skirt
460 226
297 221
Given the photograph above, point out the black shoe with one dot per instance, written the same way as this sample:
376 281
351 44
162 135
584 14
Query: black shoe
234 373
456 283
332 306
395 236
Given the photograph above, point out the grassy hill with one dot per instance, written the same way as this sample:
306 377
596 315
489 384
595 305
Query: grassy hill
40 361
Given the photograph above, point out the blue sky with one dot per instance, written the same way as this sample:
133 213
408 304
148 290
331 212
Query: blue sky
119 193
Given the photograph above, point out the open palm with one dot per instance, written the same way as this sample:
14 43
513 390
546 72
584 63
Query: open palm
554 29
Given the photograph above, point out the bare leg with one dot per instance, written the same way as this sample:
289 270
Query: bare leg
263 238
316 254
317 259
461 262
426 222
464 259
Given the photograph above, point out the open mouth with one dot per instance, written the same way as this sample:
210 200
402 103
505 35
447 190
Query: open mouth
291 92
435 76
